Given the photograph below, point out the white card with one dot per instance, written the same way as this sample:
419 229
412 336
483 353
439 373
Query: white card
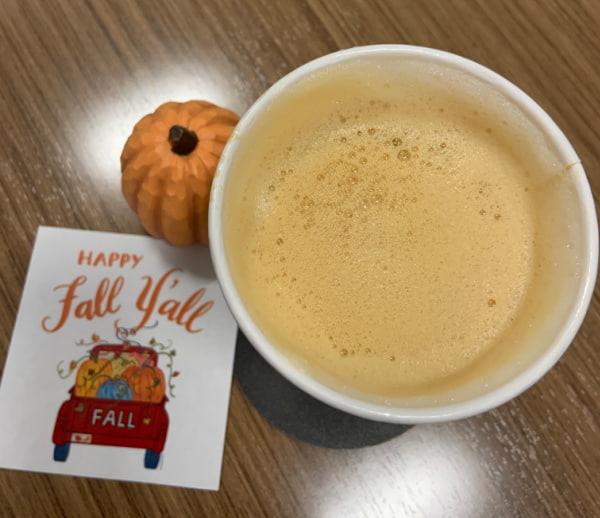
120 362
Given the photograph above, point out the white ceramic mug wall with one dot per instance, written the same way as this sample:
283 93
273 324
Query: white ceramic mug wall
576 304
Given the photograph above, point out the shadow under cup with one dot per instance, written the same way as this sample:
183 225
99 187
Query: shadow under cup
566 232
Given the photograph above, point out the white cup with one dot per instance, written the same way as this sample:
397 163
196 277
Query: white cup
524 370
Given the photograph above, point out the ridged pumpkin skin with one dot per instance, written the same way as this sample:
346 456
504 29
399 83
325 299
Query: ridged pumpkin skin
169 191
147 383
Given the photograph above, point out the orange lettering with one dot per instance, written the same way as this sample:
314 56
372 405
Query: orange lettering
190 303
84 309
66 302
102 303
100 259
182 314
198 313
169 308
84 258
100 293
113 258
114 292
148 306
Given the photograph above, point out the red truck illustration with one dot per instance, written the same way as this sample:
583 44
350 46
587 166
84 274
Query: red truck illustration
118 400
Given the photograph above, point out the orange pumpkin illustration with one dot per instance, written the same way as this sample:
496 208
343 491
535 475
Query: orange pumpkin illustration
147 382
91 374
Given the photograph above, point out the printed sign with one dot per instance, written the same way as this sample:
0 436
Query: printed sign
120 362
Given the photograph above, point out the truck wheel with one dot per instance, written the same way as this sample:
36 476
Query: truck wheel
61 452
151 459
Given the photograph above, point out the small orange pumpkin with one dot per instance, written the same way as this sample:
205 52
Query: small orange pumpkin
91 374
147 382
168 164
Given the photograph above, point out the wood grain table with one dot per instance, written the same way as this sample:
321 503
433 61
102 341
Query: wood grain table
74 78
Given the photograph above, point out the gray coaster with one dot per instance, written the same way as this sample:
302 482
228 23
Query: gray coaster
299 415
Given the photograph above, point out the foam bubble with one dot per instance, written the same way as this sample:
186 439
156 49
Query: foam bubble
376 237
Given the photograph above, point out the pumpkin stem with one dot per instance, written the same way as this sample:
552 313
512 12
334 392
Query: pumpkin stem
183 141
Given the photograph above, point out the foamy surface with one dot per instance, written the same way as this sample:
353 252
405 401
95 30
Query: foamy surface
388 239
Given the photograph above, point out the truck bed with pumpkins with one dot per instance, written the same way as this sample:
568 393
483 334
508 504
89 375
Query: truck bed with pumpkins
118 400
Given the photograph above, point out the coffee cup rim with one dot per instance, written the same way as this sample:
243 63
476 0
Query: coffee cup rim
381 412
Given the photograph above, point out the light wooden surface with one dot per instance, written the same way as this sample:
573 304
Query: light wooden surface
74 78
